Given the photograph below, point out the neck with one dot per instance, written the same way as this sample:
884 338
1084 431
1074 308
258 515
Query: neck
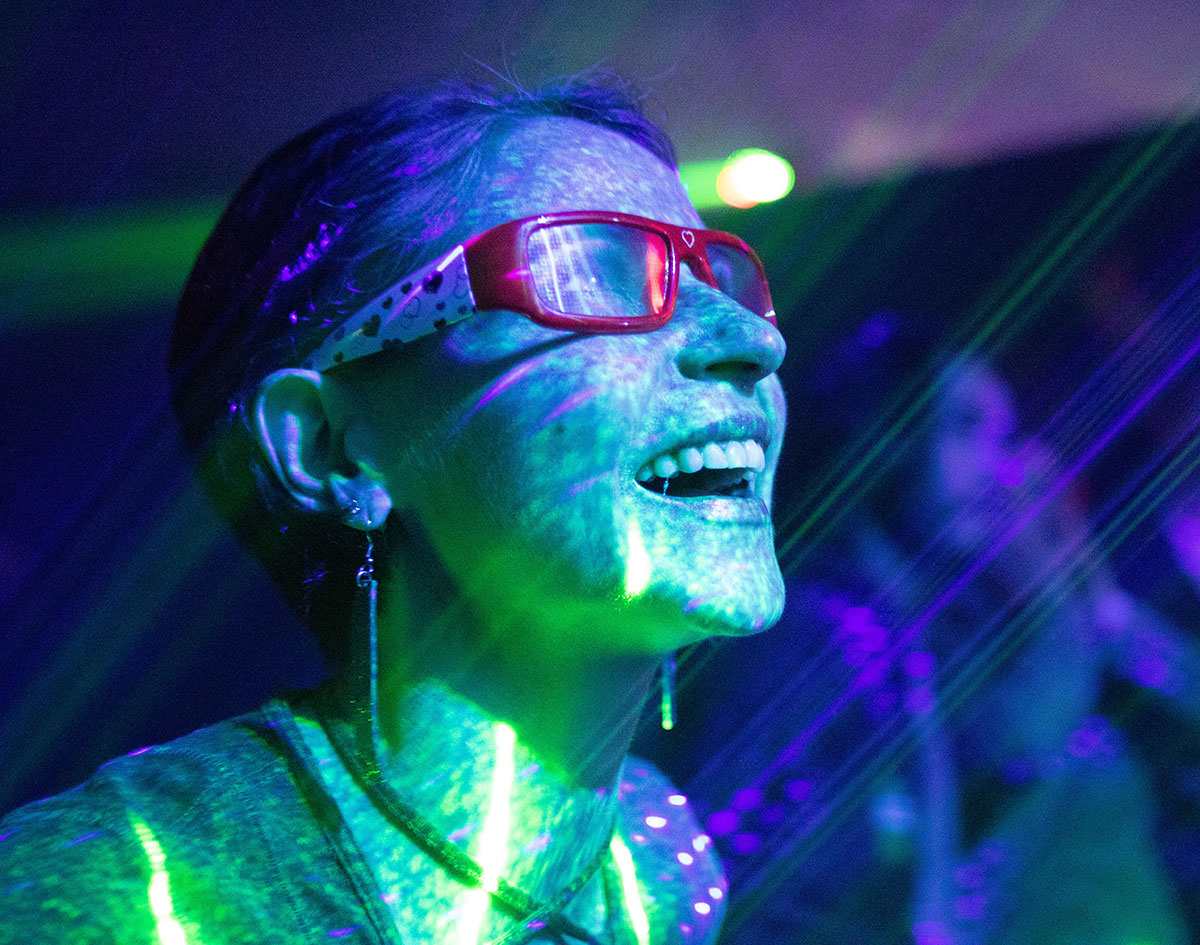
576 709
578 714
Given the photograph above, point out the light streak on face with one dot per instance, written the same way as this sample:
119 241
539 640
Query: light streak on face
637 562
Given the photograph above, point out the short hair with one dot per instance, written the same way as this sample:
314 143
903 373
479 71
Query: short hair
325 222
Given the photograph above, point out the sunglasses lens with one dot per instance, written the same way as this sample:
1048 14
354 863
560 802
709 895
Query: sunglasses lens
601 270
739 278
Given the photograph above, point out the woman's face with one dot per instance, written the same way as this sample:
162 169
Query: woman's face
516 449
973 451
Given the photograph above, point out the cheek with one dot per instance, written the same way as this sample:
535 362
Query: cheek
770 393
559 400
540 446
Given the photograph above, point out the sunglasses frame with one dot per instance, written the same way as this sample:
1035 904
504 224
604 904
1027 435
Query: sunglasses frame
490 271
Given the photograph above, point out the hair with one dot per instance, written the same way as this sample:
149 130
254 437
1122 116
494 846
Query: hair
330 219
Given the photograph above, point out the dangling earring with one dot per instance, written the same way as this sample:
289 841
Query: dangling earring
365 647
668 692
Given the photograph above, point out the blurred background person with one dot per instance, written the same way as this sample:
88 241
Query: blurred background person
973 763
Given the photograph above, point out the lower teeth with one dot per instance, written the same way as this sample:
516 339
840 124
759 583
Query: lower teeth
682 487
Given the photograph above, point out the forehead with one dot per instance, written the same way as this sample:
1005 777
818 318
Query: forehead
544 165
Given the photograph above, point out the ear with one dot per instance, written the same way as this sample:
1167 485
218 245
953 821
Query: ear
304 451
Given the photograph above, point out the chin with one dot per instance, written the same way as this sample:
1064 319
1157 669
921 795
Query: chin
700 567
747 602
740 611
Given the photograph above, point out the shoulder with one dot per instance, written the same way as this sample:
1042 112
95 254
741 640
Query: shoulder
173 781
51 853
677 869
101 862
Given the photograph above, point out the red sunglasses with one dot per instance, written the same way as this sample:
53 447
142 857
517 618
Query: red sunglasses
585 271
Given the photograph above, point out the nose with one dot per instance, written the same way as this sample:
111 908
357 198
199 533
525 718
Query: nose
722 340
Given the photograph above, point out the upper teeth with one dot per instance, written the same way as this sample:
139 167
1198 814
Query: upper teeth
731 454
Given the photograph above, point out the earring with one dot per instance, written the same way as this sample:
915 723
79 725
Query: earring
365 645
668 692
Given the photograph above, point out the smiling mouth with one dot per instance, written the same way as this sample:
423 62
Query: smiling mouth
726 468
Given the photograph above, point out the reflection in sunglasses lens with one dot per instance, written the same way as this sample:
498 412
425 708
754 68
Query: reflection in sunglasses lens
599 269
738 277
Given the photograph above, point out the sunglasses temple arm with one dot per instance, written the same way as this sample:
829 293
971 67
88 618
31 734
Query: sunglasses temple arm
433 297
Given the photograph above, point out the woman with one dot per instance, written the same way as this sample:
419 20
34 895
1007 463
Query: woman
1050 814
503 470
1029 819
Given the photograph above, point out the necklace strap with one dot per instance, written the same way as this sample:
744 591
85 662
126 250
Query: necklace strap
535 915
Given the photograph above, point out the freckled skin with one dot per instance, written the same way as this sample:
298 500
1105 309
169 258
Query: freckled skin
527 495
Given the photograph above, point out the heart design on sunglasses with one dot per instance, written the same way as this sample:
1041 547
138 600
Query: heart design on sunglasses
689 238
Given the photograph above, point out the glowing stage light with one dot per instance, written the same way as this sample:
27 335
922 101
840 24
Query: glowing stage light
753 176
747 177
